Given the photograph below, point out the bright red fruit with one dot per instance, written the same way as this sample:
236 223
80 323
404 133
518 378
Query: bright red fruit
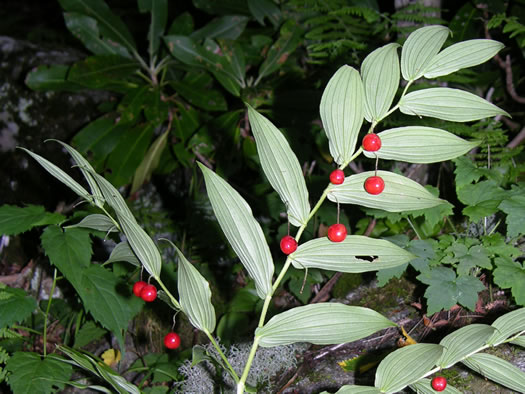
148 293
337 232
288 244
172 340
371 142
138 286
374 184
439 383
337 177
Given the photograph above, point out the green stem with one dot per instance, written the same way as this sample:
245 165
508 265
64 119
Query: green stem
218 348
28 329
251 356
50 300
172 298
413 225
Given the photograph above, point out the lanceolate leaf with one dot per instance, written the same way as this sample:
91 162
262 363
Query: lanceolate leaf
356 390
498 370
355 254
406 365
97 222
507 325
419 50
400 193
420 144
342 112
241 229
195 295
51 77
461 55
448 104
281 167
462 342
424 386
150 162
159 17
380 73
321 324
123 252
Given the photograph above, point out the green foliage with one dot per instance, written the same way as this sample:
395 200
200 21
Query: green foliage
16 305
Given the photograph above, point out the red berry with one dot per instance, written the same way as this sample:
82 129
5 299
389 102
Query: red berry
374 185
337 177
148 293
288 244
337 232
172 340
138 286
371 142
439 383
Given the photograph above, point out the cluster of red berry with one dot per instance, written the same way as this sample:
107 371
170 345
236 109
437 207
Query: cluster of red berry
148 293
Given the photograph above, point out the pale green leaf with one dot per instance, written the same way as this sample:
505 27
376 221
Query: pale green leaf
348 256
380 73
112 196
281 167
195 295
520 341
406 366
420 144
356 390
241 229
98 222
448 104
150 162
507 325
424 386
462 55
400 194
463 342
419 50
498 370
123 252
342 112
321 324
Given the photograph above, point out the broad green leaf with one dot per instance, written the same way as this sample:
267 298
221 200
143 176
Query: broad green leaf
380 73
51 77
356 390
511 274
463 342
261 9
241 229
16 220
205 98
97 221
290 36
16 305
321 324
281 167
514 207
86 29
235 56
424 386
420 144
448 104
400 194
419 50
507 325
482 199
350 255
195 295
461 55
228 27
498 370
88 333
156 108
406 366
159 18
342 112
30 373
150 162
61 176
123 252
110 25
69 250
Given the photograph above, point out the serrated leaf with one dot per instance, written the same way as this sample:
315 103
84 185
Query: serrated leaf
406 366
498 370
16 220
420 48
123 252
88 333
400 194
16 305
243 232
30 373
514 207
342 107
420 144
356 390
463 342
461 55
424 386
97 222
281 167
349 255
482 199
321 324
448 104
511 274
195 295
150 162
507 325
380 73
